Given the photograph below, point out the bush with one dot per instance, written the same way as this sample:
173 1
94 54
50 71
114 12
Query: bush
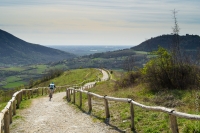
128 80
162 72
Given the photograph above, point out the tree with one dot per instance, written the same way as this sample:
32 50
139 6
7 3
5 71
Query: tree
171 69
129 63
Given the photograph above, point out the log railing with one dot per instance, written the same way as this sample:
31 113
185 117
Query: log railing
172 113
10 109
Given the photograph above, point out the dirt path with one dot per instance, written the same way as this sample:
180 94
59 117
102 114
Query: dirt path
56 116
105 75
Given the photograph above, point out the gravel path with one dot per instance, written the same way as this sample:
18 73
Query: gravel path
105 75
56 116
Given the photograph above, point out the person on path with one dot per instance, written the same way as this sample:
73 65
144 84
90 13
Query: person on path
51 90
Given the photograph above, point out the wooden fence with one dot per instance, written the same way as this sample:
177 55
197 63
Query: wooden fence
172 113
10 109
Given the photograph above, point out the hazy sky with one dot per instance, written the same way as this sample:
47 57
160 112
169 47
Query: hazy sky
96 22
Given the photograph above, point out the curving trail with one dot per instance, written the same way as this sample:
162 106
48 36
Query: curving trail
56 116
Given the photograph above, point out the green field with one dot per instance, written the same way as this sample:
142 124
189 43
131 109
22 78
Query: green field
13 69
12 77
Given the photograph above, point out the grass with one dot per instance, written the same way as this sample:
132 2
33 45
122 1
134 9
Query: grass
68 78
25 104
145 121
2 105
12 78
13 69
141 52
74 77
14 84
24 74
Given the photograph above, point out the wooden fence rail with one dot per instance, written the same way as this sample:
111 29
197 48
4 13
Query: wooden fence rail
10 109
172 113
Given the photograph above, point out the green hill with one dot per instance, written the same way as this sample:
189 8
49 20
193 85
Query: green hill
187 42
18 52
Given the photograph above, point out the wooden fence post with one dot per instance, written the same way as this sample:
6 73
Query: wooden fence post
106 107
29 94
69 95
74 96
6 122
37 91
10 111
21 95
89 102
66 94
132 116
18 102
25 94
80 98
173 123
42 91
1 124
46 91
14 107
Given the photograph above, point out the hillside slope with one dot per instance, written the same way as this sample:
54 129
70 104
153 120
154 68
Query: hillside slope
187 42
16 51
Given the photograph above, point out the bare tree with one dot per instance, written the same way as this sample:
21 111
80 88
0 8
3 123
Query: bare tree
175 49
172 70
129 63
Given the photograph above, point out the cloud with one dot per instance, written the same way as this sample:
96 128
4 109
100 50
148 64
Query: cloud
132 21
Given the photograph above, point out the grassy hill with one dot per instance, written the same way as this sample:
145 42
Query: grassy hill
117 59
75 76
145 121
70 77
187 42
110 60
14 51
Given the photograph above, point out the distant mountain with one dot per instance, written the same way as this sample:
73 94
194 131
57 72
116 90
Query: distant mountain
18 52
136 55
187 42
82 50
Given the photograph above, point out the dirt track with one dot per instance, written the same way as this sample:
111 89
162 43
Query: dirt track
56 116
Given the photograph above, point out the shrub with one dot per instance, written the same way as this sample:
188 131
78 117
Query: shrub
162 72
128 79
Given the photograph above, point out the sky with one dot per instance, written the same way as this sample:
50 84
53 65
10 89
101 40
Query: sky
96 22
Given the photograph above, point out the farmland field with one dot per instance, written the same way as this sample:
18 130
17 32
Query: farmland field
12 77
